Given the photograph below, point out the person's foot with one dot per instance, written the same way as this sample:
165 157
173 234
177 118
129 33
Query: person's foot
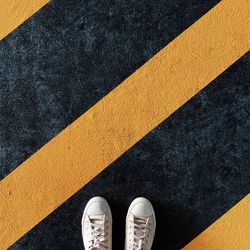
140 225
97 225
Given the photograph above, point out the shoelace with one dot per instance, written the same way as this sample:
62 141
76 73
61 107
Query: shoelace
140 233
98 239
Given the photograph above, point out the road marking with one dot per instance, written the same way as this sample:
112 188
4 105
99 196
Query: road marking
123 117
230 232
14 12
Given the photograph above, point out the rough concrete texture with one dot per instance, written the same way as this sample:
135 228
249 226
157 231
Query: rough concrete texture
193 168
122 118
69 55
15 13
229 232
72 53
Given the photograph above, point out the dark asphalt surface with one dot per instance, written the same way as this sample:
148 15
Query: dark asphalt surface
193 167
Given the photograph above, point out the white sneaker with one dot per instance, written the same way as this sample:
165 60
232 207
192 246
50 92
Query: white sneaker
97 225
140 225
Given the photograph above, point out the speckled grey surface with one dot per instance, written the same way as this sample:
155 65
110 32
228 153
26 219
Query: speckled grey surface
70 54
193 167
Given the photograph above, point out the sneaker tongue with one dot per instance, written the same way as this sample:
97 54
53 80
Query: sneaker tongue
97 219
140 220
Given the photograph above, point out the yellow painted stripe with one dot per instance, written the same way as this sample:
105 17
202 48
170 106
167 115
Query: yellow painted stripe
15 12
230 232
123 117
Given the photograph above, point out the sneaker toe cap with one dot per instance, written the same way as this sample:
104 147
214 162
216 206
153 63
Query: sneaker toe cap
142 209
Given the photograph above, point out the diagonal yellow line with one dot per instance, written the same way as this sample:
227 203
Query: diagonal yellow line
230 232
122 118
14 12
